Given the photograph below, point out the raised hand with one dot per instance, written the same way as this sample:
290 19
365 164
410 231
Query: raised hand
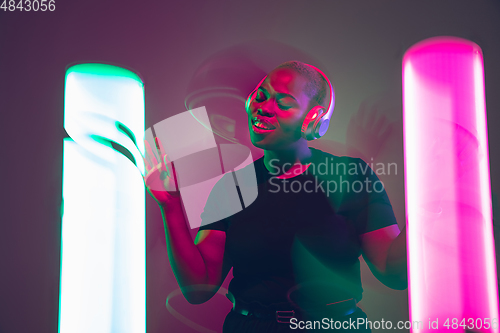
160 178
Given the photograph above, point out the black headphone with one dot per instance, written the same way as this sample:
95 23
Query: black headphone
317 120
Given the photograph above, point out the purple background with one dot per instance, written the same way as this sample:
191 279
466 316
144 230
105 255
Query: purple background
361 43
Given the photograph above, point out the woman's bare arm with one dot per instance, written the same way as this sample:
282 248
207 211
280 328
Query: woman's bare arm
199 266
384 250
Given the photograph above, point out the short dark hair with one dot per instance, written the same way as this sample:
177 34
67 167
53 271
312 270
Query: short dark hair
316 88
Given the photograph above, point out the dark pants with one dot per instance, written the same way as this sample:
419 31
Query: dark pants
238 323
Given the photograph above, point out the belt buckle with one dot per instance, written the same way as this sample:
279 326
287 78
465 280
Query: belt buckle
284 314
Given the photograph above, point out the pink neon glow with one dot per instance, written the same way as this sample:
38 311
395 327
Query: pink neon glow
451 254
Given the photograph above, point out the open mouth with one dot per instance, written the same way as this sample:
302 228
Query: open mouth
261 127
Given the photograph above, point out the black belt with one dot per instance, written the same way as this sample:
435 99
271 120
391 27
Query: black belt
283 312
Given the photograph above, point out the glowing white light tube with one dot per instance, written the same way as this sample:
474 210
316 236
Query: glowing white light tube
103 266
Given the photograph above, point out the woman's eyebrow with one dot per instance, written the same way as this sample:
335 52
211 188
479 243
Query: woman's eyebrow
278 95
283 95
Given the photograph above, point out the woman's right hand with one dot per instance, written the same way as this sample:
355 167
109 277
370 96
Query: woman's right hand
160 178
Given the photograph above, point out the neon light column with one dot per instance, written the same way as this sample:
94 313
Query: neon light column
452 272
103 267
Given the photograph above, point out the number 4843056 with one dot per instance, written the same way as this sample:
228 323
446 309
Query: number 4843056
29 5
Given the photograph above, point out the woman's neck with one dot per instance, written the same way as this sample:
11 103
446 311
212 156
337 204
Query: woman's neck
289 159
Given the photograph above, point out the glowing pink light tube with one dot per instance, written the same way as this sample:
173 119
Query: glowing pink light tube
451 253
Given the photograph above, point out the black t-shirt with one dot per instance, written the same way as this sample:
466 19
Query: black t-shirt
302 231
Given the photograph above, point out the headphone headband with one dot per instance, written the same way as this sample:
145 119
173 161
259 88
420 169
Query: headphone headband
331 103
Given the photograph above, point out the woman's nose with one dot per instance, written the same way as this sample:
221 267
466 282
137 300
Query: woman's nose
264 112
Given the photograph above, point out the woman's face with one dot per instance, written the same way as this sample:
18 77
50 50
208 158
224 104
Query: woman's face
278 109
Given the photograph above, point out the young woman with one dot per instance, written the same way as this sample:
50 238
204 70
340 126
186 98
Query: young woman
295 250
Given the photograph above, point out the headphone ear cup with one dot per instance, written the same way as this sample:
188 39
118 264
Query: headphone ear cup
322 126
311 121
